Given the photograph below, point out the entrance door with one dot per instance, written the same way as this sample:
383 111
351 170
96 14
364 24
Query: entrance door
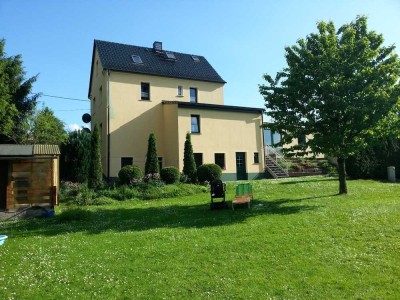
241 166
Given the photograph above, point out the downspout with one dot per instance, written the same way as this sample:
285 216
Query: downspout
108 126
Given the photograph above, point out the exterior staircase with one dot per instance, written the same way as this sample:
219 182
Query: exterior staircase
274 168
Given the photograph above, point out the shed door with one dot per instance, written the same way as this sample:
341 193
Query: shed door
30 183
3 183
241 166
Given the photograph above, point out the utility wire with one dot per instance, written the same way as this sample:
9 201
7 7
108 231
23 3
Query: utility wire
66 98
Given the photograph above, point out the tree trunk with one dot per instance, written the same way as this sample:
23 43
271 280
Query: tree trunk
342 176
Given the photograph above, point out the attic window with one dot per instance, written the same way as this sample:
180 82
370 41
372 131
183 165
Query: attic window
195 58
170 55
136 59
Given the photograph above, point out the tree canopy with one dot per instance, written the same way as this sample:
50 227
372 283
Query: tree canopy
47 128
340 88
17 104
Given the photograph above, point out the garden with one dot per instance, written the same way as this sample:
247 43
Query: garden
299 240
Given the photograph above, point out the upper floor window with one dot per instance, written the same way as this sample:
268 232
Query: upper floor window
271 138
301 140
180 91
193 95
195 123
145 91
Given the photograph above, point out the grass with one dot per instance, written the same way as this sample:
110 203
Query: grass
299 241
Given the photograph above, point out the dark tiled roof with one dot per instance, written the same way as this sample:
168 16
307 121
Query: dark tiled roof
215 107
117 57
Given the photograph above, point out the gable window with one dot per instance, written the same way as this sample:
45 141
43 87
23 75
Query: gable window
219 159
137 59
256 158
180 91
145 91
126 161
193 95
198 159
195 123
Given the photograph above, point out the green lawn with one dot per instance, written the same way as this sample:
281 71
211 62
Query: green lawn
299 241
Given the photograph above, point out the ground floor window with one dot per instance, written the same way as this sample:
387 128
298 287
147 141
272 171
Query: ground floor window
198 159
160 163
256 158
219 159
126 161
301 140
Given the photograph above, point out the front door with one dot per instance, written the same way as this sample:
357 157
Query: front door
241 166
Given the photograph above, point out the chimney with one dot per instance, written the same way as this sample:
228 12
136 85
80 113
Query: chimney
157 46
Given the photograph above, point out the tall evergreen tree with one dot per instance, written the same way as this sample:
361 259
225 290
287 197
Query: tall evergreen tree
17 104
95 169
47 128
151 166
189 164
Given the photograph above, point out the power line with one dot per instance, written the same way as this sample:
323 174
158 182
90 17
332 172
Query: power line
70 109
65 98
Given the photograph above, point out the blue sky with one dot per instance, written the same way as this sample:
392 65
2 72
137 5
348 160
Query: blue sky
241 39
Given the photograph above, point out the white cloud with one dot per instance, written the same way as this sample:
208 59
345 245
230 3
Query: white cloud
74 127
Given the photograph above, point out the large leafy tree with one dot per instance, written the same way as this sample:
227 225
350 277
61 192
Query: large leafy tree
47 128
338 88
17 104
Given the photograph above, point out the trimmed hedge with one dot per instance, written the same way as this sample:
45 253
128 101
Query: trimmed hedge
130 173
170 175
208 172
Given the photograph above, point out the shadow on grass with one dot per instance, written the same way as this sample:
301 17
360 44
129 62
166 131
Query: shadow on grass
309 181
98 220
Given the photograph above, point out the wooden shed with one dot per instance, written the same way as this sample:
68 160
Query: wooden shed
29 176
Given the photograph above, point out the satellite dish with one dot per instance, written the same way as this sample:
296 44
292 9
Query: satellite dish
86 118
86 129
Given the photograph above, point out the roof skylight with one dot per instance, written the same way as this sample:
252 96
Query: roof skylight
170 55
195 58
137 59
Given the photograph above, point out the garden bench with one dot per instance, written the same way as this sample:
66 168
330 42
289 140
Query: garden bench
244 194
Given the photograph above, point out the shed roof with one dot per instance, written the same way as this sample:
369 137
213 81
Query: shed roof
9 150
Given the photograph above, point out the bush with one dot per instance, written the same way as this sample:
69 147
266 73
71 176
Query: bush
208 172
129 174
170 175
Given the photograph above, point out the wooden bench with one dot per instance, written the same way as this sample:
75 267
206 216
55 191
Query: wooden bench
244 194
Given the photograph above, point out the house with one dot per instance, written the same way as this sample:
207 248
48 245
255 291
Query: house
135 91
29 176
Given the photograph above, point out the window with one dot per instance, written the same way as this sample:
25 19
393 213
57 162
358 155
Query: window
160 163
137 59
198 159
195 58
271 138
126 161
195 123
219 159
145 91
180 91
193 95
170 55
256 158
301 140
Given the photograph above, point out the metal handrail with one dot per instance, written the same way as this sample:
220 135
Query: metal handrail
275 154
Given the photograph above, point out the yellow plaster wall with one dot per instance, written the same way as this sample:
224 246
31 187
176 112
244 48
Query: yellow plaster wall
224 132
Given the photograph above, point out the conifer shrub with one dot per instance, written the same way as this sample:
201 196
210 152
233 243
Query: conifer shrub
151 166
208 172
189 165
130 174
170 175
